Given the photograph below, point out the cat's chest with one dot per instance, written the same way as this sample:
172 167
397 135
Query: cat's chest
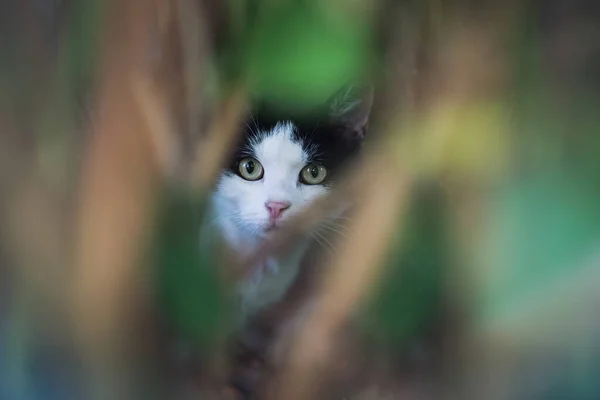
268 284
270 280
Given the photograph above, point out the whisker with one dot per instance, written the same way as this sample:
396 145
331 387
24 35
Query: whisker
344 234
249 128
219 218
331 223
321 244
331 246
341 218
255 123
235 215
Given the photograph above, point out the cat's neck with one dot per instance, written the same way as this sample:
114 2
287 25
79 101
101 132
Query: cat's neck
269 280
240 241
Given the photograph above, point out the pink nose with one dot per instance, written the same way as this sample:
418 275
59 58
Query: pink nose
276 208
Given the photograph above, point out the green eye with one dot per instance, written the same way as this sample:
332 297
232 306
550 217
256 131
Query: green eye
250 169
313 174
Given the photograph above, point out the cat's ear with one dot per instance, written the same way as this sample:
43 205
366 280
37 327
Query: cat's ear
351 107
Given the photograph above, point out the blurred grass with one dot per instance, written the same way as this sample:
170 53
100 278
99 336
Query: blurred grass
82 42
189 286
408 302
43 66
546 227
299 52
530 152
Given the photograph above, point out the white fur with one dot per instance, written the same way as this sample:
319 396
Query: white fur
241 215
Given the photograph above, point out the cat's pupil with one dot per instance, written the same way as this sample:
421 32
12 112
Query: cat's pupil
314 171
250 167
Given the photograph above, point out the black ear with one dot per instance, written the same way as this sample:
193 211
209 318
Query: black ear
351 107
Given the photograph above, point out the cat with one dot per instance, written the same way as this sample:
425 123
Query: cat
284 161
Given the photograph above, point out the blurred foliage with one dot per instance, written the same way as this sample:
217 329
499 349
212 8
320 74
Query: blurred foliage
82 46
190 290
299 52
43 71
545 229
407 304
544 221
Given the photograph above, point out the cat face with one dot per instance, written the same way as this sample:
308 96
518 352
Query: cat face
281 165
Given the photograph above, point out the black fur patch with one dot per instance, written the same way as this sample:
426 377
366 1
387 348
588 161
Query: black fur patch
327 142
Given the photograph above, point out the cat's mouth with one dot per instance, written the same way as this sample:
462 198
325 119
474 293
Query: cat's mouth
271 227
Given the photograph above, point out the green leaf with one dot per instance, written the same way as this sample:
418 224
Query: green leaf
544 230
409 297
303 54
188 282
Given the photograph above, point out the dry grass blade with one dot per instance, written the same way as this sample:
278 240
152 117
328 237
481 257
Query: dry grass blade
422 147
196 51
118 188
351 274
213 148
350 185
158 122
288 235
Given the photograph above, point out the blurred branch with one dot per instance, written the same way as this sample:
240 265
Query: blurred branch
445 112
117 194
196 58
419 145
136 143
213 148
351 274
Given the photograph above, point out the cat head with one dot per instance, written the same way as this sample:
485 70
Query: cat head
284 160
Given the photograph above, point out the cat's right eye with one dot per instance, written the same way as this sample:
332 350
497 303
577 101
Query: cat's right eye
250 169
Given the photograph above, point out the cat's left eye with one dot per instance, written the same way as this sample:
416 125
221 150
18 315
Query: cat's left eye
313 174
250 169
